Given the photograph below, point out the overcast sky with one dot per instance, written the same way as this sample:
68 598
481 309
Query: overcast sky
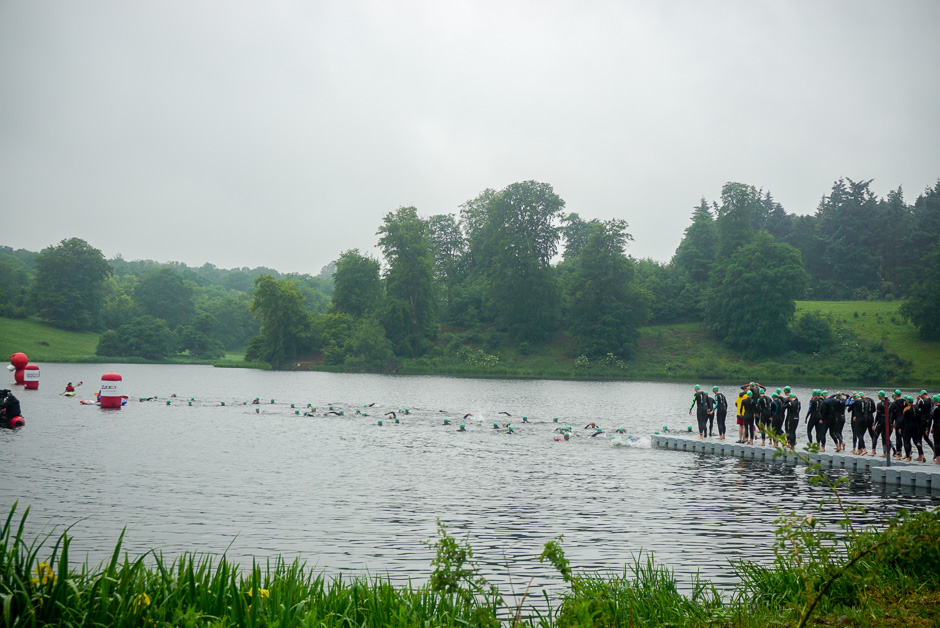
280 133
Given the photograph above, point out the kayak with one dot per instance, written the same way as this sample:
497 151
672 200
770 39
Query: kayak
69 394
92 402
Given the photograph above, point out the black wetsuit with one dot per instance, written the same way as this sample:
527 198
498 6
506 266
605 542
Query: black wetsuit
923 407
792 408
935 414
836 417
879 431
9 408
910 431
895 411
777 407
700 401
815 421
863 410
721 411
765 411
749 405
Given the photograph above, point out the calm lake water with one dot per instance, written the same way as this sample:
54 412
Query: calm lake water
347 495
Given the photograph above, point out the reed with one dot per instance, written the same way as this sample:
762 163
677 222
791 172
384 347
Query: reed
872 577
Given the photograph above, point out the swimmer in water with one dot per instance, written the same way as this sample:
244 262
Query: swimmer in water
591 425
506 413
334 412
466 415
391 414
597 432
463 428
495 426
446 421
525 419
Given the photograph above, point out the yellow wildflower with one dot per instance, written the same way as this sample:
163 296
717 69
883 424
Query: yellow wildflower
44 574
141 601
262 593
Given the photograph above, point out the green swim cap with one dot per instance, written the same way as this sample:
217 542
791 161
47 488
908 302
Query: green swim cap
750 394
380 421
555 419
774 396
697 387
936 398
909 398
881 394
923 392
714 388
824 393
462 426
761 391
778 391
787 389
897 391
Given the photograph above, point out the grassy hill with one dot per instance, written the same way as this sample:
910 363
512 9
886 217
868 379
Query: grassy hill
43 343
879 321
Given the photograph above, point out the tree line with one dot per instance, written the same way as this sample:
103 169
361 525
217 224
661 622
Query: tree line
510 270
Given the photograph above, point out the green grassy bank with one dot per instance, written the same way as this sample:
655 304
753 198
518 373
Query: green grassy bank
44 343
682 352
872 578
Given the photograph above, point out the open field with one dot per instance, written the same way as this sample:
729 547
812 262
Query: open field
879 321
44 343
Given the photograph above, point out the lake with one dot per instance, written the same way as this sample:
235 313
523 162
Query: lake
347 495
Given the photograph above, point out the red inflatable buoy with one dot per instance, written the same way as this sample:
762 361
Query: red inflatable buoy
31 377
19 362
110 391
16 421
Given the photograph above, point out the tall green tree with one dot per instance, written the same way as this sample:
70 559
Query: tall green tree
144 337
197 338
285 324
235 324
411 300
751 301
520 237
739 203
69 287
699 246
607 305
848 228
357 287
923 306
162 293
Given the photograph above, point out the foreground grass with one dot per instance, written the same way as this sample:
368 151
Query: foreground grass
886 578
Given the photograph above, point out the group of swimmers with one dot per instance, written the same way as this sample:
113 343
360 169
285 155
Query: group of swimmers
910 420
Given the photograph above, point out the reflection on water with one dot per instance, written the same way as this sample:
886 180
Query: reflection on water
345 494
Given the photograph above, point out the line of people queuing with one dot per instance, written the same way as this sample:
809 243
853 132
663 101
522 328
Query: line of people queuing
908 420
